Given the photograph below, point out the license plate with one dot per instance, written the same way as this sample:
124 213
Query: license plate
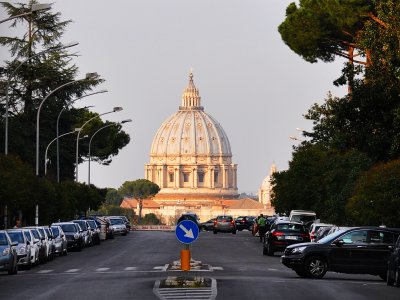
289 237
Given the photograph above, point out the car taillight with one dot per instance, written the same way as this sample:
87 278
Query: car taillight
277 233
233 222
215 222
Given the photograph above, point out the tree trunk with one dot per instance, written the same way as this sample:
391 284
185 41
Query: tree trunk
140 210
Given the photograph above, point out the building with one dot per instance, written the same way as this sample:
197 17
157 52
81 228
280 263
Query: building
191 161
265 191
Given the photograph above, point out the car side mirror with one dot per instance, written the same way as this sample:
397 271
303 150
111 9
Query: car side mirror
81 231
35 241
42 238
339 243
14 244
62 235
28 243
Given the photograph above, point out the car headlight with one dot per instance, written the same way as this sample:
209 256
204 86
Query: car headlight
76 236
6 251
298 250
22 250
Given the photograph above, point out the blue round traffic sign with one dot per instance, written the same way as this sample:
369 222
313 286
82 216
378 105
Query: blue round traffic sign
187 231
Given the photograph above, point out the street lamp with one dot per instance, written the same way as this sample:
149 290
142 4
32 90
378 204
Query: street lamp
115 109
88 76
90 142
58 121
47 148
60 47
34 8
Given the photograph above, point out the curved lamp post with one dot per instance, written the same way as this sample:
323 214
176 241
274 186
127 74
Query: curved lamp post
34 7
115 109
88 76
72 44
47 148
90 142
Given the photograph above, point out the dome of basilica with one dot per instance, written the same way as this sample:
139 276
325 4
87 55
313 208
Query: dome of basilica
190 152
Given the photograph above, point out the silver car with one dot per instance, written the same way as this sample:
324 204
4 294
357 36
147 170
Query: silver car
60 241
86 233
23 247
117 225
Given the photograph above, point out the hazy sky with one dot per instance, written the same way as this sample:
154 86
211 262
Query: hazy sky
249 80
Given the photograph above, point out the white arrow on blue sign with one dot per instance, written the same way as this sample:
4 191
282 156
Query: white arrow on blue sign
187 231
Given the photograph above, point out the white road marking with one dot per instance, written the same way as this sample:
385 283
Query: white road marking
102 269
269 269
72 271
218 268
130 268
44 271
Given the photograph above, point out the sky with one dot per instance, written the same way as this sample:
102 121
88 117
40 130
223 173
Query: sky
249 80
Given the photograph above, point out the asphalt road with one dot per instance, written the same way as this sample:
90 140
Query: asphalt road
128 267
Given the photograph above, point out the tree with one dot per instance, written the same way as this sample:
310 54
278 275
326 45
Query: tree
376 198
139 189
113 197
47 67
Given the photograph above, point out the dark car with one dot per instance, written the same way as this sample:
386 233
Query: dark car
207 226
283 234
244 222
189 216
393 268
73 234
224 224
357 250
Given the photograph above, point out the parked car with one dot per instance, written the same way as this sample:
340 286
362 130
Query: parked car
127 223
208 225
358 250
9 257
49 233
35 249
314 229
322 232
283 234
307 217
73 234
336 228
23 247
244 222
95 229
60 241
117 226
189 216
393 268
86 232
46 242
224 224
41 243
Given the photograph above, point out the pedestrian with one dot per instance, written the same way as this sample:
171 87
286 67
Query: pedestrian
17 223
262 226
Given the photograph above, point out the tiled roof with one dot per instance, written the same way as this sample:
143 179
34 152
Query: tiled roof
132 203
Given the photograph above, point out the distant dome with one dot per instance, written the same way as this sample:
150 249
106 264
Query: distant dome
191 140
264 193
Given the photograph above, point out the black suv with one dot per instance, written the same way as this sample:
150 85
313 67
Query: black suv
357 250
393 269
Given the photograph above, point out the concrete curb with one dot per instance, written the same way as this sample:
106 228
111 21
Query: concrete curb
207 293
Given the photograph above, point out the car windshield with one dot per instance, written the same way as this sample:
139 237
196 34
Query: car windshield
55 231
330 237
68 228
41 231
35 234
27 235
116 221
302 218
92 223
47 231
82 224
3 239
16 236
290 227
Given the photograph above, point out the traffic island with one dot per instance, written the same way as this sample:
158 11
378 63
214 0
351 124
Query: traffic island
186 287
195 265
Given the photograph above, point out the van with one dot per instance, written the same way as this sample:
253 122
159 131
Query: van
303 216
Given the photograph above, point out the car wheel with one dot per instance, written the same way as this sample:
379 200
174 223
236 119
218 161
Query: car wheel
383 276
270 250
389 280
215 232
397 278
315 267
234 232
265 252
301 273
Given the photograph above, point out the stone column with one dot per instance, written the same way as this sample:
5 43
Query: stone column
195 179
211 178
223 176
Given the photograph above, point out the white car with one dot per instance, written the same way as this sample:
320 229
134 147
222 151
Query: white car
34 242
23 247
117 225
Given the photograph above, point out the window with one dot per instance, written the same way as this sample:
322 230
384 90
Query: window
171 177
381 237
355 237
185 177
215 176
201 176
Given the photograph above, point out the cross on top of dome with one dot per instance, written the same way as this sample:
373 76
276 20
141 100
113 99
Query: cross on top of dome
191 96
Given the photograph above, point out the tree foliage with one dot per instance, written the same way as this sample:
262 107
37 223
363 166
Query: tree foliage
139 189
376 199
